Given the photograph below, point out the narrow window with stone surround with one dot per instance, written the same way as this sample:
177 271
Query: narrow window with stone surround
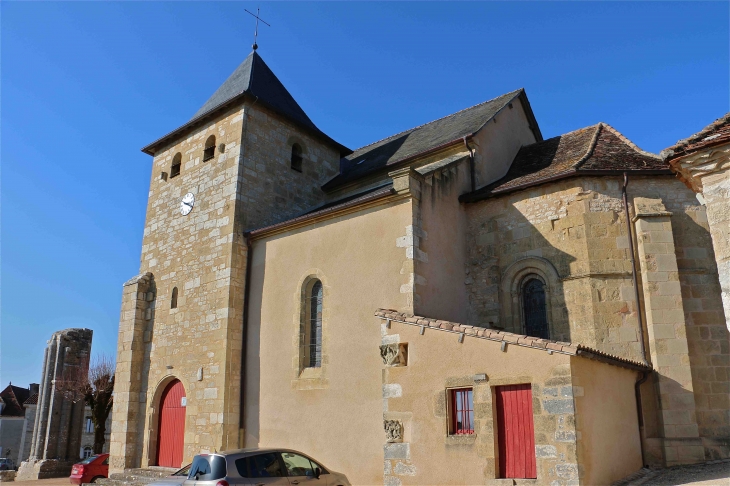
173 300
534 308
296 157
176 165
311 336
209 151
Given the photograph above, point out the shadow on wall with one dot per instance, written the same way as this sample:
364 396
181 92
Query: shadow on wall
514 273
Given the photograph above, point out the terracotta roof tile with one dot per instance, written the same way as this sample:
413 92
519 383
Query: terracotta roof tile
32 400
591 150
573 349
13 397
713 134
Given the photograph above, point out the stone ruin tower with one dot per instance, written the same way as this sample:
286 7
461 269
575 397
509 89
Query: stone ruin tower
56 439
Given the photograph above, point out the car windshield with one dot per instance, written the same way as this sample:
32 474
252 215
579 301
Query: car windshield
88 460
182 472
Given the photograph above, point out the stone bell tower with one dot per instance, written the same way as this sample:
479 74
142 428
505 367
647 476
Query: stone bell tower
248 158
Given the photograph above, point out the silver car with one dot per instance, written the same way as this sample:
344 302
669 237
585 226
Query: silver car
175 479
261 467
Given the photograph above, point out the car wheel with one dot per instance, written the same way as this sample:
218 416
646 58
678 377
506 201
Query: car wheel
93 480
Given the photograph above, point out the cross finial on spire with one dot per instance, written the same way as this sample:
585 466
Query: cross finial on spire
256 32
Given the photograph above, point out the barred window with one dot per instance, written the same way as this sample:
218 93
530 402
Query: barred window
176 165
311 336
209 151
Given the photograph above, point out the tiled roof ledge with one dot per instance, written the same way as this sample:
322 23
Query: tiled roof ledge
516 339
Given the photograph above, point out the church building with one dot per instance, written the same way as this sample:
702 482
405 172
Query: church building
463 302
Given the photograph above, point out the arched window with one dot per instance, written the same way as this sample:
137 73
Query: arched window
173 300
534 309
209 151
176 165
296 157
86 452
311 337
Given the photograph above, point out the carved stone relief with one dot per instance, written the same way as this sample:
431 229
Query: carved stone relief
394 354
393 430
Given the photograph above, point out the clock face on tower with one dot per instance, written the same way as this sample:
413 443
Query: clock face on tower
187 203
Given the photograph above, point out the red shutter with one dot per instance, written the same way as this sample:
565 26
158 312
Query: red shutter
171 433
516 434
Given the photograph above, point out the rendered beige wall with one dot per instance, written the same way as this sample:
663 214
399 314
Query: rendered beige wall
498 142
333 413
416 395
607 424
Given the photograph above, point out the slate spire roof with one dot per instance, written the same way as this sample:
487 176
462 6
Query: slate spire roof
255 79
596 150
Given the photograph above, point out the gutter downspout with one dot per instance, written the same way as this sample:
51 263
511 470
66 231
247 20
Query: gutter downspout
644 374
472 169
244 343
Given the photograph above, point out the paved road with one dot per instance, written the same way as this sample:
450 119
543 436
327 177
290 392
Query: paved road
717 474
44 482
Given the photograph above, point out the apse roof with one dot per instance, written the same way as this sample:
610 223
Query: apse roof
593 150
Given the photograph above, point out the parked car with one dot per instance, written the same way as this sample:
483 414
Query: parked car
90 469
261 467
7 464
175 479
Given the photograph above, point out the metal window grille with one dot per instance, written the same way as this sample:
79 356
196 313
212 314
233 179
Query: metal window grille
462 411
209 153
314 343
175 170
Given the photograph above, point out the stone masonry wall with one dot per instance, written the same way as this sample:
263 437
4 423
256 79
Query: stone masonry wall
199 342
272 190
577 227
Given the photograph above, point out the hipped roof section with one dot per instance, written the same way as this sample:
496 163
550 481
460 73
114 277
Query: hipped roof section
14 397
255 79
547 345
404 146
594 150
715 133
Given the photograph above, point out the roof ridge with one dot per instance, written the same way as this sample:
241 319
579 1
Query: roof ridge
437 119
630 143
591 146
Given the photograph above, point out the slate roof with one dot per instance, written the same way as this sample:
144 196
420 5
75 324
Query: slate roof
384 154
594 150
253 78
13 397
715 133
547 345
32 400
329 208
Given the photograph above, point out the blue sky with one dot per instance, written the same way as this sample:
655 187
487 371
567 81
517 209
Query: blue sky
85 85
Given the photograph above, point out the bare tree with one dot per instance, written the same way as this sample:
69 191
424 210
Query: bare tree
95 387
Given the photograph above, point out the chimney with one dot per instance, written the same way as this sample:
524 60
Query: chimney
34 388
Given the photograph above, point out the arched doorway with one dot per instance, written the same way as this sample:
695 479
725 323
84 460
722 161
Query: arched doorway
171 429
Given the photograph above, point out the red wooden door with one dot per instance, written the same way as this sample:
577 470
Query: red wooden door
516 432
171 431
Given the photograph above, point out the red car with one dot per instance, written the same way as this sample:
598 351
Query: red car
90 469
